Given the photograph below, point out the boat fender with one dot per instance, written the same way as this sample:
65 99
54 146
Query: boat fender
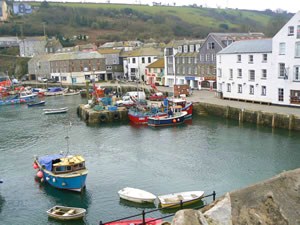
174 120
47 178
103 117
116 116
53 180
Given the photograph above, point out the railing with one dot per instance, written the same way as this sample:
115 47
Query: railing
143 214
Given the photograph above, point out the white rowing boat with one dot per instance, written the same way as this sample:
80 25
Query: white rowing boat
136 195
66 213
56 111
175 199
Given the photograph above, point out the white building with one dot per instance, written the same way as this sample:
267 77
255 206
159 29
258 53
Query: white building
135 62
263 70
286 64
244 70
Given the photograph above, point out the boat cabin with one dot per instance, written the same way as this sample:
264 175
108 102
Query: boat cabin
59 164
68 164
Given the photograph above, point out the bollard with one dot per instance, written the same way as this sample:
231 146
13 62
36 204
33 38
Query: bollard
214 195
181 204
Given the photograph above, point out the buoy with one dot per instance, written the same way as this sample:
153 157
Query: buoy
40 174
174 120
35 166
53 180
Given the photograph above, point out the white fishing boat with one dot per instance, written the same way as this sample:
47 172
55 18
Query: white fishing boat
56 111
71 93
66 213
136 195
175 199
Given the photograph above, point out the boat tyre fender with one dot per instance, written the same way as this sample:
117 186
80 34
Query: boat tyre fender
103 117
116 116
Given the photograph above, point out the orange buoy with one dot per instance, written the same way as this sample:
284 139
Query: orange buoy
174 120
35 166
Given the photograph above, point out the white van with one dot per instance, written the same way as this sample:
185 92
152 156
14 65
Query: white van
130 97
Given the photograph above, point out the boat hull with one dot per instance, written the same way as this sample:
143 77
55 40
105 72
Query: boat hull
136 195
166 121
62 213
42 103
175 200
138 119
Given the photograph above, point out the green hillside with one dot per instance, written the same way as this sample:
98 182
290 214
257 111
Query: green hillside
114 22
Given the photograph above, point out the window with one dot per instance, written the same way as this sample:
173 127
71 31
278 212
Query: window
177 60
263 90
180 49
228 87
297 49
297 73
207 57
149 59
210 45
198 47
195 60
281 70
251 75
290 31
189 60
183 70
230 74
263 74
239 72
213 57
133 60
282 48
280 94
177 70
264 58
143 60
219 72
240 88
183 60
250 58
170 60
189 70
251 90
185 48
239 58
192 48
298 31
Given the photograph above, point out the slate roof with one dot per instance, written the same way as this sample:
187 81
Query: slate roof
75 55
176 43
249 46
143 52
160 63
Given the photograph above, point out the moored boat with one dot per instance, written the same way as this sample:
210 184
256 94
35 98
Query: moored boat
56 111
148 221
32 104
186 106
63 172
66 213
140 116
175 199
168 120
136 195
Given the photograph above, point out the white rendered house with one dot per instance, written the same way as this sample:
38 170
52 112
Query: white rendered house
244 71
286 64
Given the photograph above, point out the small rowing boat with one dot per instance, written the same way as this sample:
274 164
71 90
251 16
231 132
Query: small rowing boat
40 103
66 213
136 195
175 199
56 111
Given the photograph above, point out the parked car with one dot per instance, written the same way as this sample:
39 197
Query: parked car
158 96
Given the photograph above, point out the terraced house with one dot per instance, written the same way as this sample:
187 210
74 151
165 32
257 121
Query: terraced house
181 62
214 43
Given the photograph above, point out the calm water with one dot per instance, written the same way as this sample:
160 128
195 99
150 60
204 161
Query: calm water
209 154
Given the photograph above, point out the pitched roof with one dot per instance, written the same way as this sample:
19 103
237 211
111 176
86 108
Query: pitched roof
76 55
176 43
249 46
109 51
143 52
223 38
160 63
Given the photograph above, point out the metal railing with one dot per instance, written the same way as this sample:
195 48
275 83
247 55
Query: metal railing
173 206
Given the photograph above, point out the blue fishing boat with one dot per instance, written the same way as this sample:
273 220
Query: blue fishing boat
63 172
172 119
32 104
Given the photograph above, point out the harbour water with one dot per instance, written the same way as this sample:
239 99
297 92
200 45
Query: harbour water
209 154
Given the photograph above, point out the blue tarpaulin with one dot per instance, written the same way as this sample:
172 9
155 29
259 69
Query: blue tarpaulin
55 89
47 160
